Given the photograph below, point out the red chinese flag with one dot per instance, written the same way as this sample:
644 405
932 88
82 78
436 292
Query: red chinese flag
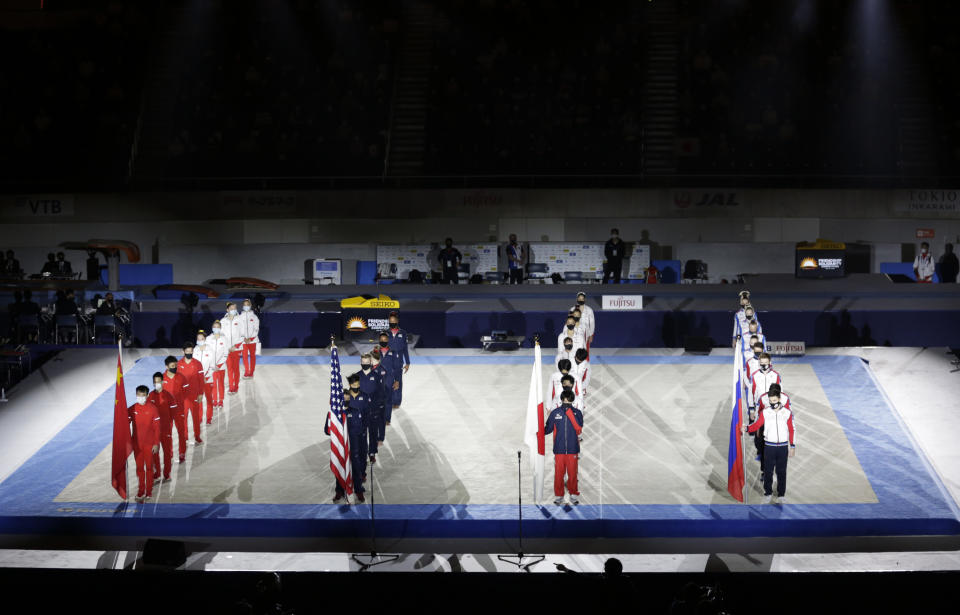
122 443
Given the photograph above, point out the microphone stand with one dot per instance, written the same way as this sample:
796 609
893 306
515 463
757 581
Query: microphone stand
375 558
517 560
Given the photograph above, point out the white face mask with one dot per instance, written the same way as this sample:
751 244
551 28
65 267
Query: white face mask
158 386
233 312
216 330
201 341
141 400
246 308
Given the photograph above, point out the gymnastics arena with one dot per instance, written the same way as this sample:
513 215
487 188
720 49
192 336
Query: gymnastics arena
647 305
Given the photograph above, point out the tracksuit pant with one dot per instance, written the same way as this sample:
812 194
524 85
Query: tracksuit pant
166 445
249 359
564 464
233 370
775 459
193 409
145 471
180 422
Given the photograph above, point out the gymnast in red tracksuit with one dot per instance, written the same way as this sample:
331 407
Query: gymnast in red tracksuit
192 370
176 385
145 420
565 422
167 408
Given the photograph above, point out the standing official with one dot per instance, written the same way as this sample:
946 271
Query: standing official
167 408
145 420
250 330
949 265
450 258
515 260
613 252
565 423
923 265
398 346
232 331
177 385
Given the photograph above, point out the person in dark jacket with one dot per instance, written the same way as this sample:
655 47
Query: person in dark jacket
566 423
450 258
949 265
613 253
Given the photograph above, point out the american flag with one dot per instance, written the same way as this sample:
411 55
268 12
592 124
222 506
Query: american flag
339 440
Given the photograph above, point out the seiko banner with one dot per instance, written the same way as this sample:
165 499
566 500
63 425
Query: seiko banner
622 302
364 317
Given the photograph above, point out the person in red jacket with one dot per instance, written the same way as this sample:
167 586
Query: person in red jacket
145 420
167 407
176 385
192 370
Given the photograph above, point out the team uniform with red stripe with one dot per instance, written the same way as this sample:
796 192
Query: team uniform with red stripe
167 408
779 438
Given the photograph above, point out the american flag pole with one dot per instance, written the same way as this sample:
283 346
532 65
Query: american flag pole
339 438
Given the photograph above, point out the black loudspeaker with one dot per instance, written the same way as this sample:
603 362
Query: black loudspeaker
166 553
697 344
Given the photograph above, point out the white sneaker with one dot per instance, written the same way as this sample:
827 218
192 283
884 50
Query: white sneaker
574 499
782 499
767 499
558 501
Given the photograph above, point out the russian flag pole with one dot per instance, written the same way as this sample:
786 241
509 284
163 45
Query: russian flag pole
743 445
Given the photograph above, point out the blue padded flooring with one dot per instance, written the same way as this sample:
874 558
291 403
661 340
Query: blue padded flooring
912 501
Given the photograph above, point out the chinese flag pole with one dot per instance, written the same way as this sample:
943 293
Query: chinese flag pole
122 443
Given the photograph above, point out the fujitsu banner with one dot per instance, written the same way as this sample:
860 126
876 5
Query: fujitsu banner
622 302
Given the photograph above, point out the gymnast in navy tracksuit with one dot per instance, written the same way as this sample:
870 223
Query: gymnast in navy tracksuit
565 422
398 345
372 387
385 399
356 407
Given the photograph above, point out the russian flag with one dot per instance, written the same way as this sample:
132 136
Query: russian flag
735 479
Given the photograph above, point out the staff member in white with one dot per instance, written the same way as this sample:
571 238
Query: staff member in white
779 443
739 317
587 320
923 264
250 330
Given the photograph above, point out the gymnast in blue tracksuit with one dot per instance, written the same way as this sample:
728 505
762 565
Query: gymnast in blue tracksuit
384 373
392 363
372 387
398 345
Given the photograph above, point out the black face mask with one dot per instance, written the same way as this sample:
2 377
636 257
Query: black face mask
580 301
394 325
576 318
354 389
568 346
756 355
384 344
571 327
567 387
172 370
188 355
775 406
764 368
365 367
